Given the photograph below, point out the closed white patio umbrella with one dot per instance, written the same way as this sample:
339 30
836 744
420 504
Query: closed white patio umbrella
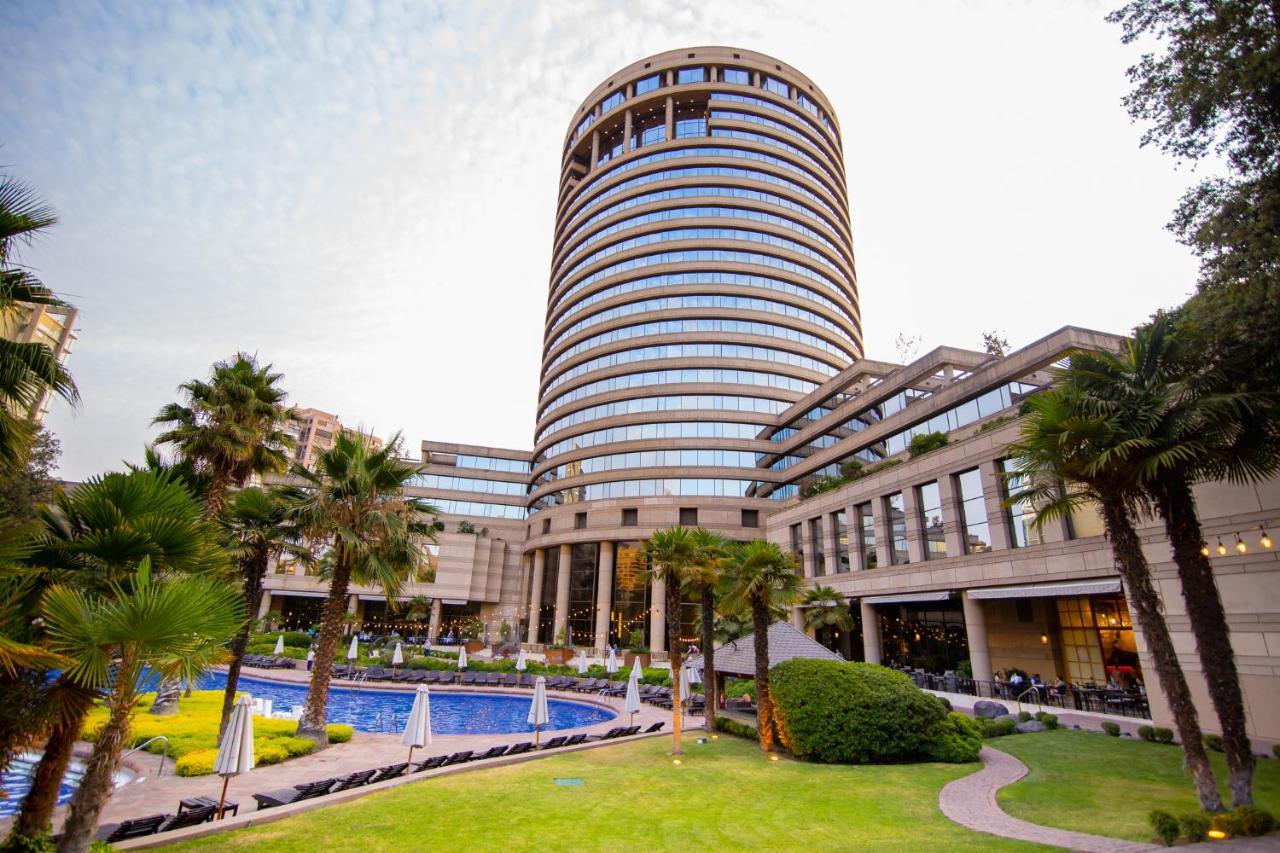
462 657
417 730
582 662
235 750
397 658
539 715
354 651
632 704
521 663
685 688
280 644
637 671
695 676
611 663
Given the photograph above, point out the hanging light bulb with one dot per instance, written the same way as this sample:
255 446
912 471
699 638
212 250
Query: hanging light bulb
1241 548
1265 541
1222 549
1204 550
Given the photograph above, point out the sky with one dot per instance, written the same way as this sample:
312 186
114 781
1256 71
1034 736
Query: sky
362 193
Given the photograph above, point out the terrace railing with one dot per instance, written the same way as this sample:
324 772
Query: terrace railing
1100 700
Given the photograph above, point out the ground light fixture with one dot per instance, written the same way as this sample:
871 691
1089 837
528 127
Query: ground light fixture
773 756
1216 834
676 761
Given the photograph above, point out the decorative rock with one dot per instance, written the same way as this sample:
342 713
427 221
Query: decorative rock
1031 726
990 710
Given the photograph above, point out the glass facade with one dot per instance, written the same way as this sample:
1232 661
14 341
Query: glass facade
842 541
935 541
867 535
919 636
973 512
895 508
630 612
1021 513
819 547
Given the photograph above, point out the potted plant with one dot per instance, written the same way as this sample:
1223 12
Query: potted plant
559 652
637 649
504 634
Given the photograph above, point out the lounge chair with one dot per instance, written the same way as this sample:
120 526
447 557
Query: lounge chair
492 752
520 748
493 678
191 817
555 742
431 763
355 780
614 732
391 771
656 727
416 676
468 678
458 758
284 796
523 680
509 679
126 829
574 740
375 673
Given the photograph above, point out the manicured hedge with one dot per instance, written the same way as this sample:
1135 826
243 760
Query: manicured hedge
858 713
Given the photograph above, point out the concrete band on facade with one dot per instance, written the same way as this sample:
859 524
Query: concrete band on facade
934 564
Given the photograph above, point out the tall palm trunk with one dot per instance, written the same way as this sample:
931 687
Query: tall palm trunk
764 700
709 685
1132 564
168 697
36 816
673 650
315 713
1177 507
254 571
97 784
215 499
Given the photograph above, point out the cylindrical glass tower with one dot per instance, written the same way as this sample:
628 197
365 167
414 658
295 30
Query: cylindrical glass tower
702 280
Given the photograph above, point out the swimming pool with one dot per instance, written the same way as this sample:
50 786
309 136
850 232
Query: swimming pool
17 781
369 709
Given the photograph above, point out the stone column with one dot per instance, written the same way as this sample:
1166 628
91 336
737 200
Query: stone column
915 536
975 627
671 118
353 604
870 632
522 601
561 622
810 567
595 147
437 614
832 546
626 130
658 616
264 606
604 593
535 594
952 516
997 515
884 532
797 620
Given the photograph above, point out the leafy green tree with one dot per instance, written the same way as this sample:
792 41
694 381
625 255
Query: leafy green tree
1066 440
256 529
27 370
175 625
761 576
352 508
230 426
1210 91
671 555
24 489
710 552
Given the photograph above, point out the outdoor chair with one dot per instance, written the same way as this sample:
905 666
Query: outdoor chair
509 679
656 727
555 742
192 803
493 678
283 663
375 673
192 817
493 752
574 740
126 829
355 780
468 678
614 732
284 796
416 676
431 763
391 771
520 748
458 758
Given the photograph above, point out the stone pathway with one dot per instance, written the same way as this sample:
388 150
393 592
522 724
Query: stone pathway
971 802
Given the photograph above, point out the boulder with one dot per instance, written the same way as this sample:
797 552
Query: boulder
1031 726
988 709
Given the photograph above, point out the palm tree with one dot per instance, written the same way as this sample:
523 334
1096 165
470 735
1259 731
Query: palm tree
671 555
353 507
1066 441
710 550
27 370
761 576
256 529
174 625
229 426
94 537
826 610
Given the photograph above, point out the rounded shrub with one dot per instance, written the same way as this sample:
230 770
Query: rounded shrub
956 739
852 713
196 763
268 752
1147 733
339 732
1111 728
1213 742
1165 827
1049 721
295 746
1162 735
1254 821
999 728
1194 826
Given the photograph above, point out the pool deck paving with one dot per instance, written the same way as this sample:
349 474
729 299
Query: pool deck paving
156 792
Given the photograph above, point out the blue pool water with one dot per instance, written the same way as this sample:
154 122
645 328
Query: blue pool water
369 709
16 781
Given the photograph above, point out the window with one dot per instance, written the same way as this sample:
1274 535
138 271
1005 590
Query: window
750 518
819 547
973 512
1022 513
776 86
898 553
841 527
1085 521
611 102
797 546
688 516
935 540
579 521
867 535
1022 607
546 526
690 127
691 75
737 75
630 518
647 84
651 135
807 104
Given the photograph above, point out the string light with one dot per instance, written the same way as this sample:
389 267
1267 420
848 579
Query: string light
1204 550
1222 549
1241 548
1265 541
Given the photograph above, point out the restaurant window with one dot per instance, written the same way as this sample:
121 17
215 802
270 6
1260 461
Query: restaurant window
924 636
935 539
582 593
819 547
973 512
1097 641
630 610
896 508
630 518
1021 513
688 516
841 527
751 518
867 535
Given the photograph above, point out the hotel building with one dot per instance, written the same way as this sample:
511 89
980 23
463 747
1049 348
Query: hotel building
703 365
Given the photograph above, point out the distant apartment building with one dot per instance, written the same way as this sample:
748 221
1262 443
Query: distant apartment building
314 432
50 325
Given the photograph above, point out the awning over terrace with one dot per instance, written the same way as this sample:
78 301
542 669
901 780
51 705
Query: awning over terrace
1049 590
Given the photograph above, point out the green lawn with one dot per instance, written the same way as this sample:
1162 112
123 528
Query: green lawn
1104 785
724 796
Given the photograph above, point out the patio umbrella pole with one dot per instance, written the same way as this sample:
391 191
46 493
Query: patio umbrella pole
226 780
410 758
